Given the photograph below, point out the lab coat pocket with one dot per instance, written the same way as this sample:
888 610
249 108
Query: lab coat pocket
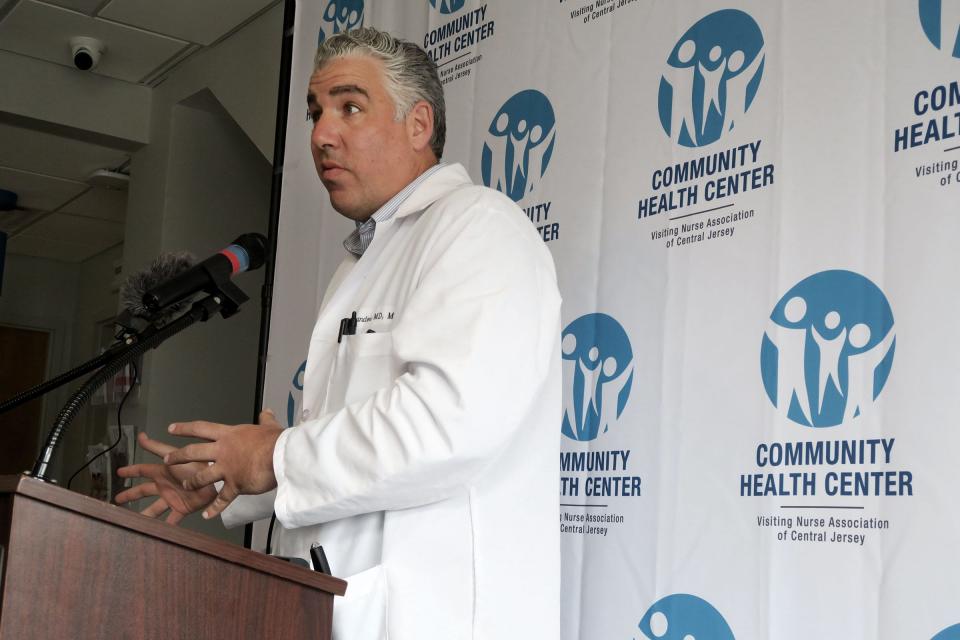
362 613
366 363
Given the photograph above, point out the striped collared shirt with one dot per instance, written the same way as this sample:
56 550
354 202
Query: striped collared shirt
358 241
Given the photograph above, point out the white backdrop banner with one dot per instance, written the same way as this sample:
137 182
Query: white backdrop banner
753 208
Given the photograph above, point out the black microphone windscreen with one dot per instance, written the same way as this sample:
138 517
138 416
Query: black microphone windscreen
162 269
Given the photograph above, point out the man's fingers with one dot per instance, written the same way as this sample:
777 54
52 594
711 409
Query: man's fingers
203 478
198 429
175 517
155 447
135 493
150 471
131 471
227 495
156 509
204 452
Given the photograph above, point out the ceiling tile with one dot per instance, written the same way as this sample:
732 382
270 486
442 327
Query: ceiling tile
104 204
10 221
48 153
50 249
68 229
43 31
38 191
202 22
85 6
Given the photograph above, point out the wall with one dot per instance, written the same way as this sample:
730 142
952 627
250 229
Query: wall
42 294
96 303
69 300
204 179
219 187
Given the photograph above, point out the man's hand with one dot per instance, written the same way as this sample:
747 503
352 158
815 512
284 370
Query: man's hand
165 482
242 458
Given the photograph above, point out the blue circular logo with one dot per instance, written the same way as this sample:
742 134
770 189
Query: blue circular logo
340 16
941 22
447 6
950 633
681 616
519 144
828 349
295 398
598 375
712 76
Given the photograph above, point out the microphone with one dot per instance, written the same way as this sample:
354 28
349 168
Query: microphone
163 268
213 274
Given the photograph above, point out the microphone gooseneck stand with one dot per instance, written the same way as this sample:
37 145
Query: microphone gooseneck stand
224 302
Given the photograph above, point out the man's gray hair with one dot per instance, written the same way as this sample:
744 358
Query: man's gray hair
409 73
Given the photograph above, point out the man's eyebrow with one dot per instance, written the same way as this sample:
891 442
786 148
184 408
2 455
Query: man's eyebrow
348 88
338 90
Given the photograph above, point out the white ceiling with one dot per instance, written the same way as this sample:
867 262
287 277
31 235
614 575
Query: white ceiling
129 54
56 155
64 218
200 21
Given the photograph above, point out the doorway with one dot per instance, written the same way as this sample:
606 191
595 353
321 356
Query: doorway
23 365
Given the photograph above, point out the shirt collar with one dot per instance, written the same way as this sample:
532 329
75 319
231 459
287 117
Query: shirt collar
361 237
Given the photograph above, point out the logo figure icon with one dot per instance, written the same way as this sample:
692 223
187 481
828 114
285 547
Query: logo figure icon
295 396
712 76
519 144
828 349
940 20
681 616
340 16
950 633
448 6
598 373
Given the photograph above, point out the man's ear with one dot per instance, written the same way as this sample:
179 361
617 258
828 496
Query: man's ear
420 125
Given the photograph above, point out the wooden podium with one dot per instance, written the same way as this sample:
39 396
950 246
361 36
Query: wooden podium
74 568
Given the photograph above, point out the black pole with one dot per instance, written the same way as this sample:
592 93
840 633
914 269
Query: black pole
58 381
279 148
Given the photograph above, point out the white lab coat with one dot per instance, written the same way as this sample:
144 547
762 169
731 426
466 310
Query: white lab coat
426 463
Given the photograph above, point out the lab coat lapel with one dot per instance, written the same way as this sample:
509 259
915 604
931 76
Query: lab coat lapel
341 300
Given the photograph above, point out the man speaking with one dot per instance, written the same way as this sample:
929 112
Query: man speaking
425 459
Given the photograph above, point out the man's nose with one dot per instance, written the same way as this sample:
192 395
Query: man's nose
324 133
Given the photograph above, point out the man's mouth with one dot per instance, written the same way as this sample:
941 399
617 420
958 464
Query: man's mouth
330 170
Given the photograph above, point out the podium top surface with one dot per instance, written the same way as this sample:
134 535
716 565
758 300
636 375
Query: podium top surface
142 525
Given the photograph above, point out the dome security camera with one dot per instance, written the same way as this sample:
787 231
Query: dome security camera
86 52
